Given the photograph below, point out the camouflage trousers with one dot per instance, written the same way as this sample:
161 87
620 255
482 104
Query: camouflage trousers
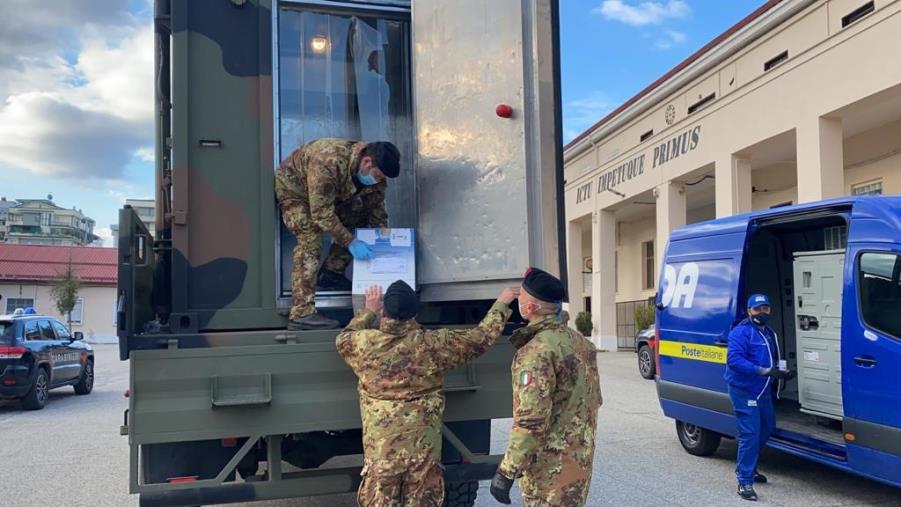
307 251
421 485
547 490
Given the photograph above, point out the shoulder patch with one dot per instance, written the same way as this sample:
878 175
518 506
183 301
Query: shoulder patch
525 378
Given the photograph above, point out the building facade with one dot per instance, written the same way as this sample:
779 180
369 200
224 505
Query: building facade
27 275
42 222
798 102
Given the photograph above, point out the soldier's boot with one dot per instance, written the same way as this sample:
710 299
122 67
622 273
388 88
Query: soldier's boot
331 281
312 321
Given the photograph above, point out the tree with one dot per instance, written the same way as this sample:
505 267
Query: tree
583 323
65 291
644 316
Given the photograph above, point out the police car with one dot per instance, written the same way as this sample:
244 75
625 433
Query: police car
38 353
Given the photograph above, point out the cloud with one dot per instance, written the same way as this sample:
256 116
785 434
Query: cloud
644 13
146 153
106 235
76 88
582 113
670 38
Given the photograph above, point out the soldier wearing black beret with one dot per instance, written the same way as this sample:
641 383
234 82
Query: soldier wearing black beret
556 396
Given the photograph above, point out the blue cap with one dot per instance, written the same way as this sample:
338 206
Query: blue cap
758 300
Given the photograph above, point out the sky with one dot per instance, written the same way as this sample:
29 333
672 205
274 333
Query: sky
76 86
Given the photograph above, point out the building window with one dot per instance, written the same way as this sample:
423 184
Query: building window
871 188
775 61
13 303
647 251
697 106
77 312
647 135
836 238
45 218
858 13
145 212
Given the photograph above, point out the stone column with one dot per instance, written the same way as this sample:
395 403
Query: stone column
603 285
733 185
821 167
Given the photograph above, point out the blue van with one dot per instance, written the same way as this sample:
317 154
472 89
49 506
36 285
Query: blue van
833 272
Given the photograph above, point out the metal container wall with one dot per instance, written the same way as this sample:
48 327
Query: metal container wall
486 184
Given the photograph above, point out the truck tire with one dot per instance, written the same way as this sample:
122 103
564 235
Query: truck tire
646 366
86 383
461 494
697 440
36 397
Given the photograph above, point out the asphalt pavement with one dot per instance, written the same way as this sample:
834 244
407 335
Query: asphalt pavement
71 454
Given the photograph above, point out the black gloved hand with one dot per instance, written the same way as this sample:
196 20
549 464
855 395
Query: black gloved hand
781 375
500 488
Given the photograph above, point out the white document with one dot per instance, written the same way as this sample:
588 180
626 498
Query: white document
388 265
393 258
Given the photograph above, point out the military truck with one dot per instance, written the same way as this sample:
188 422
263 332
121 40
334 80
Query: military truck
226 405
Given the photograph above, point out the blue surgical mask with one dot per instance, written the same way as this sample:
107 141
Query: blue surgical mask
366 179
761 319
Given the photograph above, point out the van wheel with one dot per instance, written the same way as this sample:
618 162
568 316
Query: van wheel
646 365
697 440
36 397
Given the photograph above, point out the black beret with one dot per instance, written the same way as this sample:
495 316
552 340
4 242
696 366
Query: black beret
400 301
543 286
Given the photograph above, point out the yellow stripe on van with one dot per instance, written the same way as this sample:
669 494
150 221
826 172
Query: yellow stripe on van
694 351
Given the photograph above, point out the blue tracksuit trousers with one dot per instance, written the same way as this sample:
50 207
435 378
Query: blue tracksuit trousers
756 422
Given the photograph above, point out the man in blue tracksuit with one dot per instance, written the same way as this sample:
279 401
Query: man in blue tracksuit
752 369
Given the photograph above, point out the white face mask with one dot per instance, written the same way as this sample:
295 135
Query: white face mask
523 311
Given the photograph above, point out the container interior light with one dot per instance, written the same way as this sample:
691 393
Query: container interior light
319 44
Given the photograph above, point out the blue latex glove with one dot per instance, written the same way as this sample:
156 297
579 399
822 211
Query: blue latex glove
360 250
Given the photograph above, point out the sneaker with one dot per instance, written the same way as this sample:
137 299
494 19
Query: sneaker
759 478
313 321
746 491
329 281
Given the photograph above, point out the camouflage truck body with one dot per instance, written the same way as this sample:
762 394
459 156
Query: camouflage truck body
225 404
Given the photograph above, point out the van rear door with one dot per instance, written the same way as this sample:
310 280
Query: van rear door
871 342
697 307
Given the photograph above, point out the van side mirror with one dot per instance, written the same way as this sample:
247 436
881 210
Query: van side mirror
660 306
78 336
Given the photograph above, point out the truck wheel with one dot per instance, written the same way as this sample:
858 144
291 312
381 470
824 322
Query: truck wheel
461 494
646 365
36 397
86 384
697 440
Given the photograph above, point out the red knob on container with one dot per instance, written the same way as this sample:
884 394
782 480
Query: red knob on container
504 111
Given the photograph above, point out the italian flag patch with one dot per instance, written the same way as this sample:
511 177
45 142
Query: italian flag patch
525 378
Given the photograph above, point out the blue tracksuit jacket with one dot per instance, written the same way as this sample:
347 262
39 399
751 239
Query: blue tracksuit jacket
750 349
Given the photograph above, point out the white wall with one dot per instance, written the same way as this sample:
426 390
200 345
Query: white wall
98 320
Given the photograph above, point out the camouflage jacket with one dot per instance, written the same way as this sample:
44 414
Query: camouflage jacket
556 396
400 367
319 176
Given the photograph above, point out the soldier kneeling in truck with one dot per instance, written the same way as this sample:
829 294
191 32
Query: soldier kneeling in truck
332 186
401 369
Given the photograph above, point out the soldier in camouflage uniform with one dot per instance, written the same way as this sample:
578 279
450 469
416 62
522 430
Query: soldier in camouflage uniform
556 396
401 369
331 186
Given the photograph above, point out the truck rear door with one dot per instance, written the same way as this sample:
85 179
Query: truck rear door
488 181
697 306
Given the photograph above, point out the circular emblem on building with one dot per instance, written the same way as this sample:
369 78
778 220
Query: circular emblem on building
670 114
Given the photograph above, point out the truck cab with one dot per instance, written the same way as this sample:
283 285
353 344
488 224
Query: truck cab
832 270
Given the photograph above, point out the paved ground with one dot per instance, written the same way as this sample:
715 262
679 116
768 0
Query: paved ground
71 454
